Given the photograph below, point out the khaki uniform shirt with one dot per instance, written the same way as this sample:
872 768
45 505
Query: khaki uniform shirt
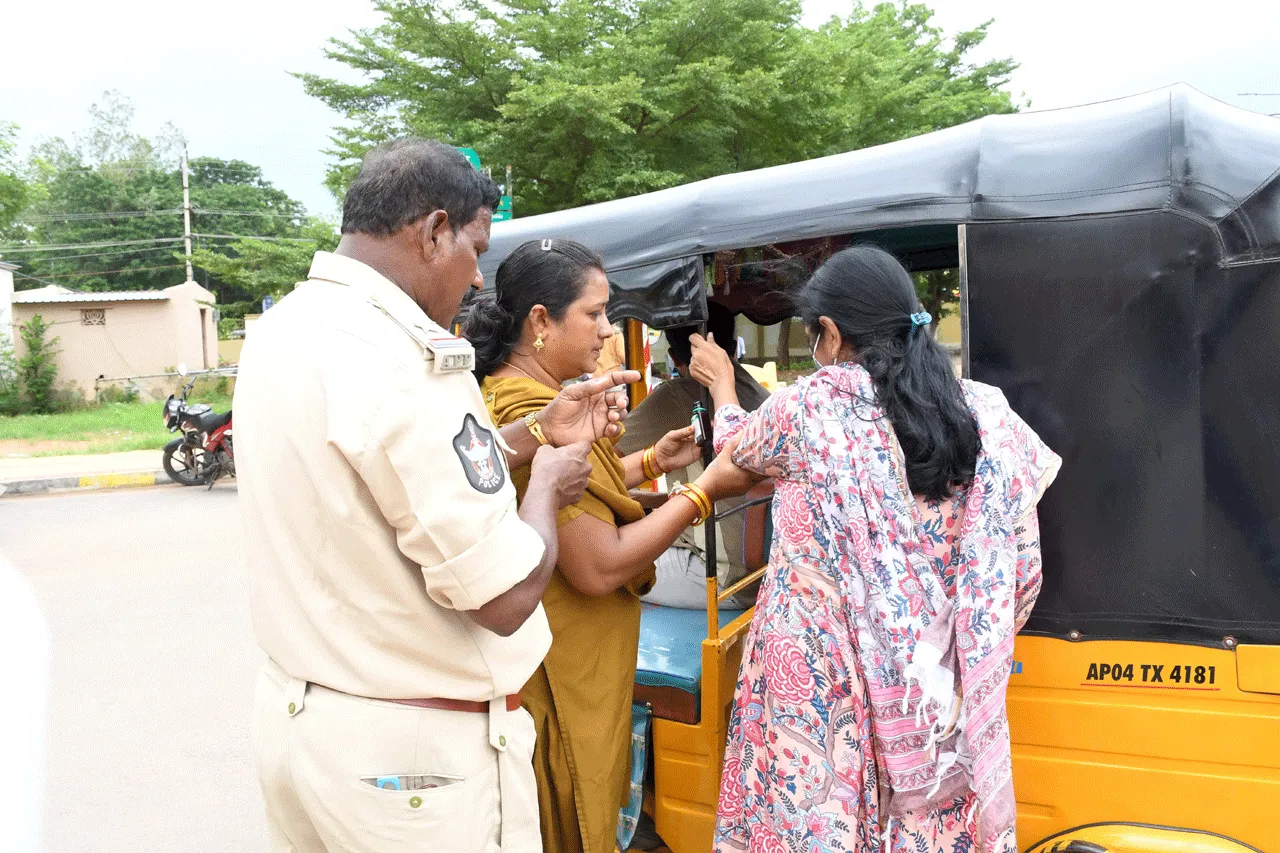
376 500
669 407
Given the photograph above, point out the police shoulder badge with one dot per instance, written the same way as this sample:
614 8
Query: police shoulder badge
480 457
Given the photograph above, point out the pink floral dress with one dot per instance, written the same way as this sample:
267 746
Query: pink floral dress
844 737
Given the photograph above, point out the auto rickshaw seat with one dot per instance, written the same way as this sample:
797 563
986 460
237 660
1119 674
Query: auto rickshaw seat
669 662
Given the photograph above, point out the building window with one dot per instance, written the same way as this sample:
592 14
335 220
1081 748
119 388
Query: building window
93 316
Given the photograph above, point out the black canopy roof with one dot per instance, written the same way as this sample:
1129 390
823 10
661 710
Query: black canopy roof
1126 257
1173 149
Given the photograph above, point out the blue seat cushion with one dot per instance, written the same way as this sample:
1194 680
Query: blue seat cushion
671 646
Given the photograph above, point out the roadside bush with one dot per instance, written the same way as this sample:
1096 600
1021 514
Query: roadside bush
211 386
37 370
119 394
70 398
228 326
10 390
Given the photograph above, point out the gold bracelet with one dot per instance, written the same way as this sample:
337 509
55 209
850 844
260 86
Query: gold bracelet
535 428
649 463
699 498
703 498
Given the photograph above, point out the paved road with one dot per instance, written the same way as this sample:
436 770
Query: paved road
153 668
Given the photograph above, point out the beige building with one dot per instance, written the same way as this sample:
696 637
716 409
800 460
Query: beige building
122 334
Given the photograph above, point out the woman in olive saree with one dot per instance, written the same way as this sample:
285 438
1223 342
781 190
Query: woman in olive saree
543 325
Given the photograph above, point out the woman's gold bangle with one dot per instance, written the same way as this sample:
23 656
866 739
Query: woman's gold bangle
699 498
535 428
649 463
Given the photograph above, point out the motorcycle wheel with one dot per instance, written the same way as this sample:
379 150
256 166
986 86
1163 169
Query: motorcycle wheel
183 463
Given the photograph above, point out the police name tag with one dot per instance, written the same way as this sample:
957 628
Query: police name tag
451 353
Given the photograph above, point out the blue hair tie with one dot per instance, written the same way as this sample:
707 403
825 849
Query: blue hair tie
924 318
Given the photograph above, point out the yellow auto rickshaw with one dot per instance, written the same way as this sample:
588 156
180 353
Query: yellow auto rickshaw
1119 268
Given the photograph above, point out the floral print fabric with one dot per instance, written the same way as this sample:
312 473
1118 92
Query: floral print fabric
829 744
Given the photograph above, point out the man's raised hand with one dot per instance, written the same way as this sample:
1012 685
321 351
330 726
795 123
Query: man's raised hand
587 411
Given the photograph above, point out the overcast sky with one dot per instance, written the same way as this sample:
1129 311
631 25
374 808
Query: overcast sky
220 72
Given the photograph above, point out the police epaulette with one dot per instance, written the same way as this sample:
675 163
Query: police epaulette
450 352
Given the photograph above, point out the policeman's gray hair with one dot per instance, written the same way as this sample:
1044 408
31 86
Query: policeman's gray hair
402 181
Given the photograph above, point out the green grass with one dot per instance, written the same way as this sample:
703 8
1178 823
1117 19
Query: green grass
108 428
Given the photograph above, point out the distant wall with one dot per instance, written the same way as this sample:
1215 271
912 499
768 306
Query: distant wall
191 312
135 338
949 327
229 351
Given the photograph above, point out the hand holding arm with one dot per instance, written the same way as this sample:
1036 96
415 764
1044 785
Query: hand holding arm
557 478
597 558
724 479
585 411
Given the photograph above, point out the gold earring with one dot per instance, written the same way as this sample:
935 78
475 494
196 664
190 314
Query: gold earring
537 342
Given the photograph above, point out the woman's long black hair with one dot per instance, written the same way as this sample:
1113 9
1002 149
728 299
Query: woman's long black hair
870 298
550 273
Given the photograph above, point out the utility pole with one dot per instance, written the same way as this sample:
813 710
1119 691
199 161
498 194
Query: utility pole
186 211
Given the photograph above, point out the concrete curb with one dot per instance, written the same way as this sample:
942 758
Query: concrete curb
131 479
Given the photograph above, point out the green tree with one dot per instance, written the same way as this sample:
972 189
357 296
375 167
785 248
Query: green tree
265 268
891 74
593 101
111 185
37 369
15 193
938 290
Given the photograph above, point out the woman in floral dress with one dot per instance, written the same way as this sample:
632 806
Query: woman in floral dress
870 710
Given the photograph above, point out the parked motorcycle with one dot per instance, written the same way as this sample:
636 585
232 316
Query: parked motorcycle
203 454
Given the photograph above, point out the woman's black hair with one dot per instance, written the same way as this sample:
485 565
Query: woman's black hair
550 273
870 297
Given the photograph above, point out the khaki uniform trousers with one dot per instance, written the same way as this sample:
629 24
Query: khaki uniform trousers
316 748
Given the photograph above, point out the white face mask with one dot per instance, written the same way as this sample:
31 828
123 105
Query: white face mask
816 341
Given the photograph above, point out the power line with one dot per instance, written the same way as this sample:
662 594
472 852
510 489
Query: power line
112 167
54 258
246 170
140 243
212 212
99 245
109 272
35 278
249 171
121 214
252 237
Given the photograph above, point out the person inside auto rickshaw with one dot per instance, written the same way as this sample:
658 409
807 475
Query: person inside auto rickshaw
613 355
544 324
681 569
870 712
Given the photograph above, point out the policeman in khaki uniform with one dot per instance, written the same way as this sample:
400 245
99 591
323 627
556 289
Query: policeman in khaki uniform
395 584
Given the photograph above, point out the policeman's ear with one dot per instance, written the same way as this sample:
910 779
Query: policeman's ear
433 230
